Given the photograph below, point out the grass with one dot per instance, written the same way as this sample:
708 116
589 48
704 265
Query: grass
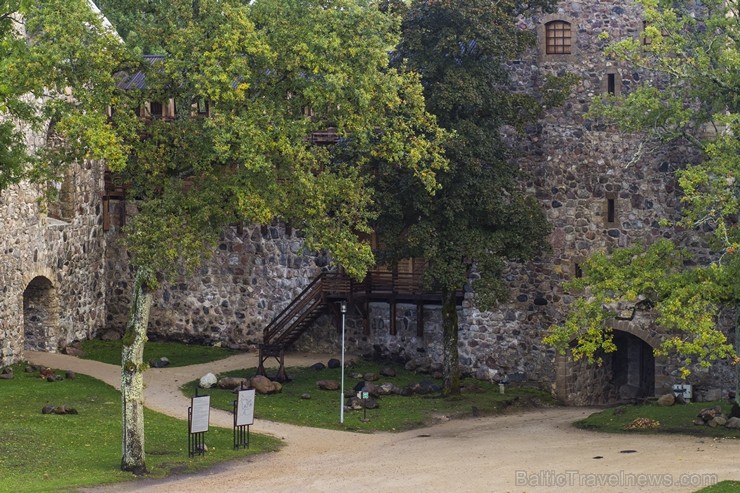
673 419
179 354
722 487
395 413
58 453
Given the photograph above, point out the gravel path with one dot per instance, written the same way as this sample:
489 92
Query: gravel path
535 451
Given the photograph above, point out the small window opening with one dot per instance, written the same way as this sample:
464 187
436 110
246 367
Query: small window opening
611 84
155 109
202 107
610 210
578 271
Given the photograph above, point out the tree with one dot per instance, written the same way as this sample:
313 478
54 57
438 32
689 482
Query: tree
691 62
266 74
480 218
47 52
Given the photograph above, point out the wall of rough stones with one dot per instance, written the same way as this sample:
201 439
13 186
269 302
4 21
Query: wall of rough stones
254 273
51 270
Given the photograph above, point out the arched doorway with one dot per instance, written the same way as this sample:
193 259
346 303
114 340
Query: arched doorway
40 314
632 367
630 373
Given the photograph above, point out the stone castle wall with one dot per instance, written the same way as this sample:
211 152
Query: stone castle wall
254 273
51 269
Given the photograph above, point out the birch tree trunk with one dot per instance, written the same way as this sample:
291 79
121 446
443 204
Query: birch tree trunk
450 355
132 375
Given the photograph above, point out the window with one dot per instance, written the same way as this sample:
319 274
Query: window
557 38
578 271
155 109
611 84
611 209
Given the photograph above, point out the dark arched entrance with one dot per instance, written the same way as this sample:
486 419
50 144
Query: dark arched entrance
633 367
40 314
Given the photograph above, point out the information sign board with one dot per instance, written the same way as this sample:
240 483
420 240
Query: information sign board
201 408
245 408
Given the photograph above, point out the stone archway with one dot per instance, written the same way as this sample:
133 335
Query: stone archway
40 315
631 372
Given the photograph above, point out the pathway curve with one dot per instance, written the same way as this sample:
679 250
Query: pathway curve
535 451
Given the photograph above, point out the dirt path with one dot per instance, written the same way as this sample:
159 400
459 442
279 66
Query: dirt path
537 451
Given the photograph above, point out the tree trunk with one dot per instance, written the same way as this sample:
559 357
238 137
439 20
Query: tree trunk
451 358
132 375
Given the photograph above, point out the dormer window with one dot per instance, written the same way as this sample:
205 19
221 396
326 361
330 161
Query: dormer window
155 109
558 38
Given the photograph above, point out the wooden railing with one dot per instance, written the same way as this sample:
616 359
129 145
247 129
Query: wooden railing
290 322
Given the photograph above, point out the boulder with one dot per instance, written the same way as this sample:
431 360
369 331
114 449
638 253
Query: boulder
278 387
371 389
262 384
733 422
388 372
233 383
8 370
718 421
6 376
159 363
70 375
73 351
370 403
666 400
709 413
306 396
111 335
318 366
208 380
354 403
327 385
371 377
387 389
334 363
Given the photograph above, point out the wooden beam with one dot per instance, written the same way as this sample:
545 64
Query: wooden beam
393 327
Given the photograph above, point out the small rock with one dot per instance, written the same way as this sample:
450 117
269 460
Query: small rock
262 384
318 366
6 376
73 351
354 403
370 377
388 372
47 409
357 376
733 422
278 387
666 400
327 385
111 335
70 375
370 403
306 396
8 370
437 375
719 421
334 363
233 383
208 380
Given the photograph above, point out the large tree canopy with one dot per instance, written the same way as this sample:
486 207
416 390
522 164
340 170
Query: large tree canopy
56 78
480 218
219 121
690 63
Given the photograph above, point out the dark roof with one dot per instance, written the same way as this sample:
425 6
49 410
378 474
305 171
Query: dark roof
136 81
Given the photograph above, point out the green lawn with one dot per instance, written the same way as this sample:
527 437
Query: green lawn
722 487
178 353
673 419
395 412
56 453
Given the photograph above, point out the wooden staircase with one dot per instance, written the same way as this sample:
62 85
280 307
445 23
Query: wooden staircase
298 316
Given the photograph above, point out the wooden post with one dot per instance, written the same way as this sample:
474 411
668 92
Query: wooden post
419 320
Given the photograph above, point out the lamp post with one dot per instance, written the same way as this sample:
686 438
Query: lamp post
343 309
